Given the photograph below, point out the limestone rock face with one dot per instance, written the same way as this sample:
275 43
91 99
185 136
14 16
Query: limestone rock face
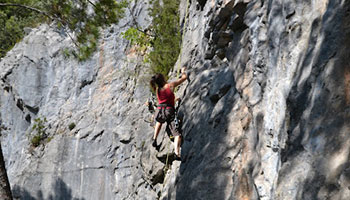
265 109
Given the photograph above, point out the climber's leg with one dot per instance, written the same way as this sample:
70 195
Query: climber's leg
156 132
177 143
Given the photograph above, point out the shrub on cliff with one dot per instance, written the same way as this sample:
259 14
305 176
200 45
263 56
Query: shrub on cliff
40 133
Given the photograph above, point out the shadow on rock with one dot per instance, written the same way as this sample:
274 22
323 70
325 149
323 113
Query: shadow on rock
318 141
60 192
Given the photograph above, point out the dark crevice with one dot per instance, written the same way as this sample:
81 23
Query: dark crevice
226 11
290 15
167 158
7 88
19 104
216 97
202 3
126 141
240 8
98 135
28 118
85 83
217 122
236 23
33 110
158 177
29 59
84 136
6 75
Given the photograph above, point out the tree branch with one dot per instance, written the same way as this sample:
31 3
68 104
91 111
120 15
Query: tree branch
91 3
136 24
94 5
64 22
26 7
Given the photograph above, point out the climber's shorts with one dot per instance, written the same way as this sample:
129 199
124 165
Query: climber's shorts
167 114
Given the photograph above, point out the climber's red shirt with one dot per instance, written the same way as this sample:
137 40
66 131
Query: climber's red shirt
166 96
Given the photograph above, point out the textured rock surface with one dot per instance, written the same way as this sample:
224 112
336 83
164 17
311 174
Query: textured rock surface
265 111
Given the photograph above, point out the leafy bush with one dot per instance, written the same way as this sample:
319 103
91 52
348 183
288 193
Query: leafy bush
71 126
36 140
40 133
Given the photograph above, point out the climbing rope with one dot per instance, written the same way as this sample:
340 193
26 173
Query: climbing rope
166 164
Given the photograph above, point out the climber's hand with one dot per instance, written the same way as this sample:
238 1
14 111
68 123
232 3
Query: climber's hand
183 70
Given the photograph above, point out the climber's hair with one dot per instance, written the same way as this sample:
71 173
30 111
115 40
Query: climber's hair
157 80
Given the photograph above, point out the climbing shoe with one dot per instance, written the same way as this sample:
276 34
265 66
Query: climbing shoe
176 157
154 143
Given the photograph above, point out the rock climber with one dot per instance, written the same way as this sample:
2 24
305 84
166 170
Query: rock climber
165 111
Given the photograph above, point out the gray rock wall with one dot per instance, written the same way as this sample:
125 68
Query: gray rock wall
104 97
265 111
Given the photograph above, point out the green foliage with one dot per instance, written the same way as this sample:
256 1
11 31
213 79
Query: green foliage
136 37
164 38
66 53
77 16
12 22
81 17
167 40
49 139
71 126
36 140
143 144
40 134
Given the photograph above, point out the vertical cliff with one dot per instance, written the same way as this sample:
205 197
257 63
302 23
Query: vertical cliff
265 110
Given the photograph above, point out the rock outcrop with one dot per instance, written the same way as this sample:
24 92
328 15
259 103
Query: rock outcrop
265 110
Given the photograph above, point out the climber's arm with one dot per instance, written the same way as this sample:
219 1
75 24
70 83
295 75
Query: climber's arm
180 80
